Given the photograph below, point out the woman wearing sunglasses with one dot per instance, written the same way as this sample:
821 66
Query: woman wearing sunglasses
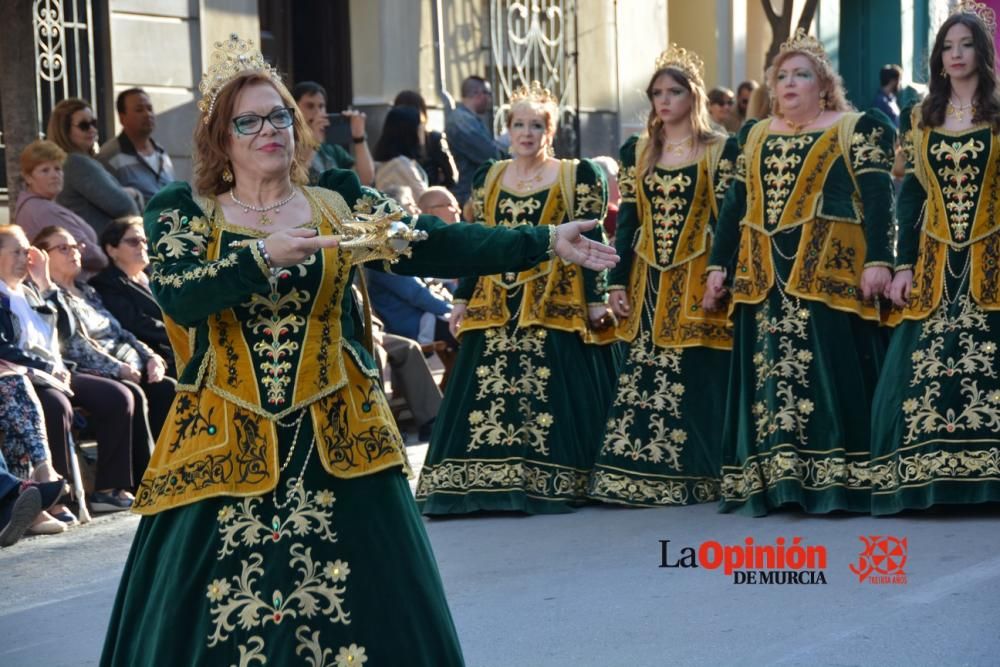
88 189
42 172
124 287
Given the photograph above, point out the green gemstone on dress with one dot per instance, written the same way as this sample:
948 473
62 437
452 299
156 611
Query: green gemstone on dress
275 524
211 430
366 406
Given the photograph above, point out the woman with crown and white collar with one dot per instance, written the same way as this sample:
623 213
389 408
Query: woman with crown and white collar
936 415
662 437
522 417
277 511
804 241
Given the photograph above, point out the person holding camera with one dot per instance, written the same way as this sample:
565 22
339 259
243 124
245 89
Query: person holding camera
311 98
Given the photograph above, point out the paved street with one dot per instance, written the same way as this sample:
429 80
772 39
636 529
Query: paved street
586 589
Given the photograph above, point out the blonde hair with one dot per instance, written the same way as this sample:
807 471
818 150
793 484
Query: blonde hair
60 122
831 85
701 124
211 139
38 152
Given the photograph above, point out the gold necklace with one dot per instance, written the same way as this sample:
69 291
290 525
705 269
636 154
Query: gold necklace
678 148
529 182
798 127
958 112
265 219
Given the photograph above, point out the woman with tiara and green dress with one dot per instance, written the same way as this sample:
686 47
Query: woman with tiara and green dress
936 415
804 238
278 525
661 444
521 420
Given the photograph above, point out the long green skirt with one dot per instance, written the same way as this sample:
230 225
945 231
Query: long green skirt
798 413
663 440
340 575
520 424
936 415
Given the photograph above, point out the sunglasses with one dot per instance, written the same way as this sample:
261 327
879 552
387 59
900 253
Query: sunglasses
135 242
251 123
85 125
66 248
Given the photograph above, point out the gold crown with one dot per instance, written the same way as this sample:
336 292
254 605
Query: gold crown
230 59
681 59
534 93
985 14
803 42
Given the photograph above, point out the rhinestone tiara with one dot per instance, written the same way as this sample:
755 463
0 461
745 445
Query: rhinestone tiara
230 59
679 58
984 13
534 93
803 42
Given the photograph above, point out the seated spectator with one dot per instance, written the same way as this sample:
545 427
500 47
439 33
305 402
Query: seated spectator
438 161
29 339
103 346
609 166
311 98
124 287
88 189
409 308
399 150
438 201
743 93
402 195
722 108
24 443
42 171
132 157
759 107
470 140
411 376
21 501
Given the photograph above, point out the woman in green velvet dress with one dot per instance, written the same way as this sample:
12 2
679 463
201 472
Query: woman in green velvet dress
522 417
279 527
936 415
661 446
804 237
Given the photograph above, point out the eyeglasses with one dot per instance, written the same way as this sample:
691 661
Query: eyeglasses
135 242
725 103
251 123
66 248
85 125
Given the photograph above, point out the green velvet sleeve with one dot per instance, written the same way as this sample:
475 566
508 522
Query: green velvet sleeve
452 250
872 151
591 203
628 222
912 198
725 172
188 287
467 284
734 203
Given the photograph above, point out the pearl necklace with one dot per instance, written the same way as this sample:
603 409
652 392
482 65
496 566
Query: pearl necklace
265 219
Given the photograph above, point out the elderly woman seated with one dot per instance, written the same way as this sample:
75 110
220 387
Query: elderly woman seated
124 287
29 342
42 172
101 345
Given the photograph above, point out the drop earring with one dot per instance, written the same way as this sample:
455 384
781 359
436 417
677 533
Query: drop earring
227 175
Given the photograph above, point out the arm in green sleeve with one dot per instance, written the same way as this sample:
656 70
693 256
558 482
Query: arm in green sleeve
627 226
466 286
727 228
872 152
591 203
189 288
912 198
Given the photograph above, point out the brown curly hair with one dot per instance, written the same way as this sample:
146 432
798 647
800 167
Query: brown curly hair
211 139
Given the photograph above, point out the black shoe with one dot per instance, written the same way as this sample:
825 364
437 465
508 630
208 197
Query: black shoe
52 492
424 433
18 510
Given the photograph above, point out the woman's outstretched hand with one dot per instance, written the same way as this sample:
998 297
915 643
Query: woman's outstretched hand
572 246
292 246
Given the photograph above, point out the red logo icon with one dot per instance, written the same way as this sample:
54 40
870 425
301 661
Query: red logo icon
882 560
